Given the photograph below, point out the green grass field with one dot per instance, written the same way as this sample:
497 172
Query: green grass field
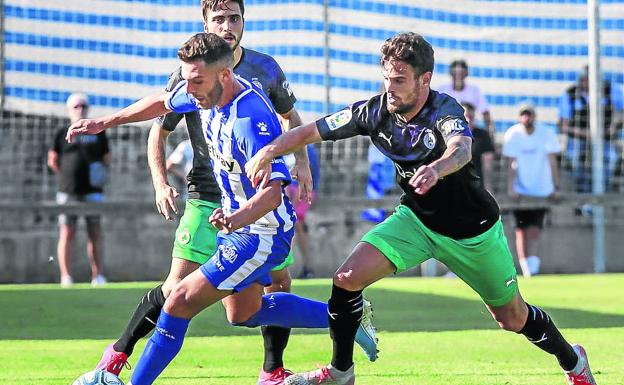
433 332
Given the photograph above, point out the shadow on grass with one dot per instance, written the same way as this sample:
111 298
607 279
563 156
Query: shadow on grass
102 314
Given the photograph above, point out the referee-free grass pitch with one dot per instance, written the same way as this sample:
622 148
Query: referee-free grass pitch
433 331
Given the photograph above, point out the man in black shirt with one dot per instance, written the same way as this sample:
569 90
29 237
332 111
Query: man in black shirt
79 167
445 213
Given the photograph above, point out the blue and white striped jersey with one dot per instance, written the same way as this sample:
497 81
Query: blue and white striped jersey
234 133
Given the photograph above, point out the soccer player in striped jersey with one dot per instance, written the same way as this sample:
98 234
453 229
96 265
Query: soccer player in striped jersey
256 225
195 239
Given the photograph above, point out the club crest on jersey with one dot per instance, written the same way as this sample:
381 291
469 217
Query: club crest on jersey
452 126
286 86
256 82
228 253
429 139
339 119
262 126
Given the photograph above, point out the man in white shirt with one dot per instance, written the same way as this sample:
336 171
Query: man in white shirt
465 92
530 150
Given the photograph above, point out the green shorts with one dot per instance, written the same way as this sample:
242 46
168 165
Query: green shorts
484 262
290 259
196 238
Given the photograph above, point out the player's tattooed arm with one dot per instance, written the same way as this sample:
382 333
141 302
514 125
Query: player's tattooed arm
457 155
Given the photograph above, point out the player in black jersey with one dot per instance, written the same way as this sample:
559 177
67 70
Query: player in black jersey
445 213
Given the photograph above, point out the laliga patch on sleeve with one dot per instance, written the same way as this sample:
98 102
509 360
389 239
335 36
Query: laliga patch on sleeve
286 86
451 126
339 119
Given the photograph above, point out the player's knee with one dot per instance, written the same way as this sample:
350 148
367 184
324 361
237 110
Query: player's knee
509 321
346 280
280 285
177 301
281 281
169 284
238 318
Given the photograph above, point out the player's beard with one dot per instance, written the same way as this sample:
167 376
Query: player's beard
399 109
238 39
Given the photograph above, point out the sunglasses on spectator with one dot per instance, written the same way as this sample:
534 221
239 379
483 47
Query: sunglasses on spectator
84 106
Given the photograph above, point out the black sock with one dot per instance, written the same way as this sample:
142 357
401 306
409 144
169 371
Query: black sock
542 332
275 341
345 311
143 320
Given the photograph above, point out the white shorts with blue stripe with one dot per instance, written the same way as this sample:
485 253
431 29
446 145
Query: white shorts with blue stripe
243 258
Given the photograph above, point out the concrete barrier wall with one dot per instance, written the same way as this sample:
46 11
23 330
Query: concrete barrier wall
138 242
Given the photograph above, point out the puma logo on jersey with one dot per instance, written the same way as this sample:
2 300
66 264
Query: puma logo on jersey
386 138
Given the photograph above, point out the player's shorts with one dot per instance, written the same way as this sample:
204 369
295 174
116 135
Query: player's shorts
243 258
529 218
484 262
196 238
70 220
290 259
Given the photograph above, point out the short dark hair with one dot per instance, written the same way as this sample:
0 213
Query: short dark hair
207 47
410 48
460 62
468 106
213 5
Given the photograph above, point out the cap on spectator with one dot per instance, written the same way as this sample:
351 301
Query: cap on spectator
77 98
526 106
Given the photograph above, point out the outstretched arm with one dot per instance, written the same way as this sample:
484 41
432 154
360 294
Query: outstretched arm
258 168
301 171
457 155
147 108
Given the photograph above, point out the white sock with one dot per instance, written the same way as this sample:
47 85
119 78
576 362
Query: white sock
579 365
526 272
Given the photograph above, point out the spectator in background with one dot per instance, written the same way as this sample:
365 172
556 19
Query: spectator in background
482 148
463 91
380 180
180 163
531 152
574 123
301 209
81 168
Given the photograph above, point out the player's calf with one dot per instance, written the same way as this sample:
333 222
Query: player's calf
541 331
